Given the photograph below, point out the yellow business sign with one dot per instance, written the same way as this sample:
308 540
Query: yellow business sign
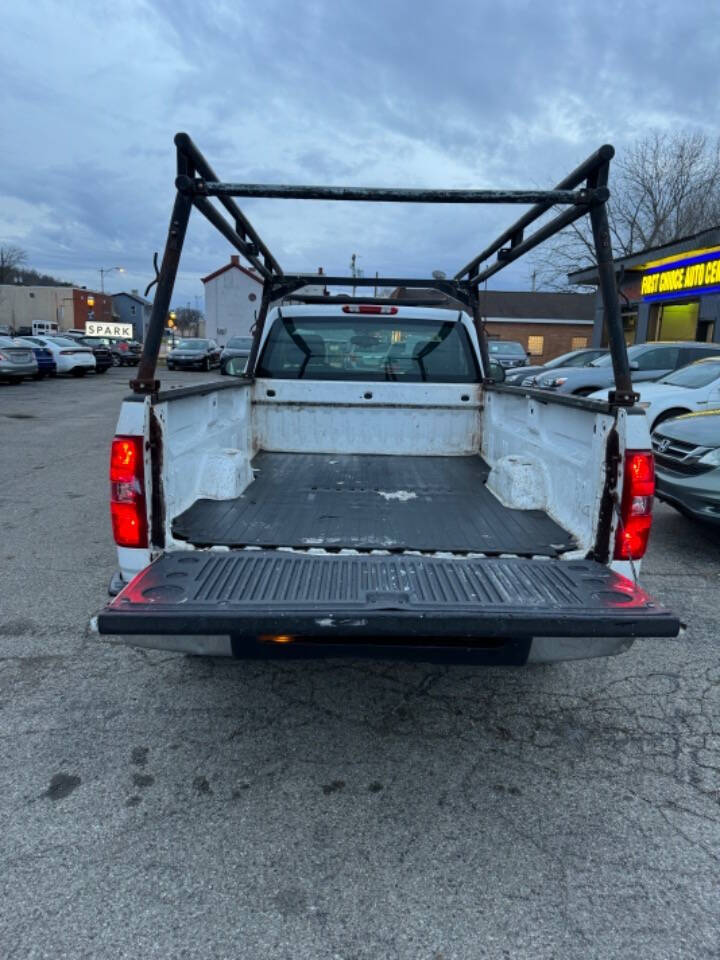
695 274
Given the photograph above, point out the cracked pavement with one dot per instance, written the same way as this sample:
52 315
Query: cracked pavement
155 805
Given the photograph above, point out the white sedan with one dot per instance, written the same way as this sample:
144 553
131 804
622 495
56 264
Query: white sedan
691 388
69 356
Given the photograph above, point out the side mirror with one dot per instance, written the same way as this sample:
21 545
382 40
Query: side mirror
235 366
634 365
497 371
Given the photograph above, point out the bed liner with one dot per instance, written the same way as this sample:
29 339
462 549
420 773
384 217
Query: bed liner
371 502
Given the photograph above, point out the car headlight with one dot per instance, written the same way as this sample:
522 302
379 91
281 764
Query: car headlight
553 382
711 458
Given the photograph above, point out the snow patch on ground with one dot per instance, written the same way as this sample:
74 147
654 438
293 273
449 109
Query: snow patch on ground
402 495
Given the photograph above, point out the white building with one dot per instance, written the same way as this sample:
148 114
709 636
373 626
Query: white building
232 300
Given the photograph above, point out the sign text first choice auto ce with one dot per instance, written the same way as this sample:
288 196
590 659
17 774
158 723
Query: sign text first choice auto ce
691 275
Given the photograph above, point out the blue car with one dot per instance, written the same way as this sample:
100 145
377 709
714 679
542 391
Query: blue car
45 360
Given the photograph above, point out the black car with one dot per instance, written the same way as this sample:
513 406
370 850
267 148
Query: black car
101 352
194 353
235 347
508 353
125 353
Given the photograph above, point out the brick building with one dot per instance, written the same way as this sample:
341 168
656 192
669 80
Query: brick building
547 324
69 307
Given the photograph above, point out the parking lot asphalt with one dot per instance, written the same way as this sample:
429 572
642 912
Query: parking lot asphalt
154 805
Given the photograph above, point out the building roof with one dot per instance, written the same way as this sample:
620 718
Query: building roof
133 296
531 306
234 264
635 261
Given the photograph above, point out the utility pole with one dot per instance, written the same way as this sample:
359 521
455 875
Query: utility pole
353 260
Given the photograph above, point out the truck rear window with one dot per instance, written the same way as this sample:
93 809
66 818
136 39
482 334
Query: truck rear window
368 348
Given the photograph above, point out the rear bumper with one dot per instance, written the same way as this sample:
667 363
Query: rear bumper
697 495
18 370
506 653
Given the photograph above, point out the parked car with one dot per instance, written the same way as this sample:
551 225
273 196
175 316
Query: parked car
695 387
194 353
235 347
508 353
43 355
68 354
125 353
648 361
16 361
101 351
527 376
687 464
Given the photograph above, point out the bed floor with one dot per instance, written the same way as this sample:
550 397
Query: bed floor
366 502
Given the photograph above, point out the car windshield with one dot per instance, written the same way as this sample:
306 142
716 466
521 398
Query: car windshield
506 346
192 345
635 350
6 342
368 348
696 375
582 358
240 343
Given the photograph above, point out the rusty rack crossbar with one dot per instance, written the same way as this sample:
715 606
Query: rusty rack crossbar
583 192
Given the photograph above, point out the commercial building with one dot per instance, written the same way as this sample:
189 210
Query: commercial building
134 309
22 307
546 323
232 298
669 292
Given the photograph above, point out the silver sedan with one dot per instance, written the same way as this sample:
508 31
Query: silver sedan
16 361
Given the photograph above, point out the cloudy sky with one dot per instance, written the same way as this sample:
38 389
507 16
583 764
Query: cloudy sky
381 92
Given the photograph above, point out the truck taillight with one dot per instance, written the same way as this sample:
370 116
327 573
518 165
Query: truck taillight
636 507
127 492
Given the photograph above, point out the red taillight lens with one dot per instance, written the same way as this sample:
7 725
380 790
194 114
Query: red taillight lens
127 492
636 507
368 308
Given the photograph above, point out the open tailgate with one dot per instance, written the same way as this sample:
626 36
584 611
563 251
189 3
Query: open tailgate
256 596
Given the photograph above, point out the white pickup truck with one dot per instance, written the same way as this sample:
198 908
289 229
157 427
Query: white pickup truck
366 487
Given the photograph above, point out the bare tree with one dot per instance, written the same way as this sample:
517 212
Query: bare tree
188 321
11 257
666 186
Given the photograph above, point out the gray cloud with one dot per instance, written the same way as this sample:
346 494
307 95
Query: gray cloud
457 94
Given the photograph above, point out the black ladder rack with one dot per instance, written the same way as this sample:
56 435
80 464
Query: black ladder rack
583 192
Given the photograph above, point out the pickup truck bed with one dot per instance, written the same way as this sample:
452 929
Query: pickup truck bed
370 502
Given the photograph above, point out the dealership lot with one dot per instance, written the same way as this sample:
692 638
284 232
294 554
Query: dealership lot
158 806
